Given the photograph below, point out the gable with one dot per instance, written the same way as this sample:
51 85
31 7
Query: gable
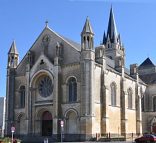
71 49
42 63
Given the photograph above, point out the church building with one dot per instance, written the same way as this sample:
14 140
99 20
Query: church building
78 89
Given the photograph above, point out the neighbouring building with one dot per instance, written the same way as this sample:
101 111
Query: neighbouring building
87 87
147 72
2 116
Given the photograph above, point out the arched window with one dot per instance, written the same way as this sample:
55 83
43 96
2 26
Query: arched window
72 86
154 103
22 97
130 103
113 94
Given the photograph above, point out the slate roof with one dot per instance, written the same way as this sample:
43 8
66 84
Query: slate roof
112 30
75 44
146 63
111 66
149 78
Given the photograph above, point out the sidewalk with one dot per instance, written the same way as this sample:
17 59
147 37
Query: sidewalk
102 142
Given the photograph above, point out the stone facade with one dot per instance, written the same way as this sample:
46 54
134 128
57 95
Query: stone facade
86 87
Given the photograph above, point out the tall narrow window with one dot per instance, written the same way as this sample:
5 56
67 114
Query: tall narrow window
22 97
142 103
142 99
72 85
113 94
154 103
130 103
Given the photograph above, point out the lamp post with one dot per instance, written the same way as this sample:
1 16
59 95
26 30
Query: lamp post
12 134
62 125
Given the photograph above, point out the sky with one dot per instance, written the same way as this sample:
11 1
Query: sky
24 20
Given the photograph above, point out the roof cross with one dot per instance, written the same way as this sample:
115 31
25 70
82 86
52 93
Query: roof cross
46 22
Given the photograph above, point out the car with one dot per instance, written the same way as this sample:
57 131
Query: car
147 138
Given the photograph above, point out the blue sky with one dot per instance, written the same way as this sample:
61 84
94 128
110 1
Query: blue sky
23 21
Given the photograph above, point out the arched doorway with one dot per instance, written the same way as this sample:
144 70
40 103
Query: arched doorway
154 128
72 123
21 125
47 124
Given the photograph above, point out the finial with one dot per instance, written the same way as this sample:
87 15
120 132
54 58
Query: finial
46 23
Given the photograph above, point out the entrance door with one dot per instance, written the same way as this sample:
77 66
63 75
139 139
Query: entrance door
47 124
154 128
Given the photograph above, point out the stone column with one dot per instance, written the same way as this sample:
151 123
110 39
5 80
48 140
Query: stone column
27 100
105 111
55 97
29 112
123 113
139 117
123 105
138 109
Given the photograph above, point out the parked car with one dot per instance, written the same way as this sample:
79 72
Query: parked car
147 138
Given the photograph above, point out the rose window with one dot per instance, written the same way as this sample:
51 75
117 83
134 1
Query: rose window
45 86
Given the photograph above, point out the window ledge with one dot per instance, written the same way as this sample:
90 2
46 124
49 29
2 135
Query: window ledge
131 108
117 106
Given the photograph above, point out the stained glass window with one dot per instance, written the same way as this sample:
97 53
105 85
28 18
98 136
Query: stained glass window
72 85
130 105
113 94
22 96
45 86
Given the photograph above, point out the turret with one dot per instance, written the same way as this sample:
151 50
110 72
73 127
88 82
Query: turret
87 64
13 56
87 36
10 87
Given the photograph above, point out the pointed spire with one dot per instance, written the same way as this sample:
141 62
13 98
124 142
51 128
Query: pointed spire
119 40
13 49
104 38
112 30
108 39
114 38
87 27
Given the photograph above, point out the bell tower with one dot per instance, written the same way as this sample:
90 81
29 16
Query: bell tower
112 40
